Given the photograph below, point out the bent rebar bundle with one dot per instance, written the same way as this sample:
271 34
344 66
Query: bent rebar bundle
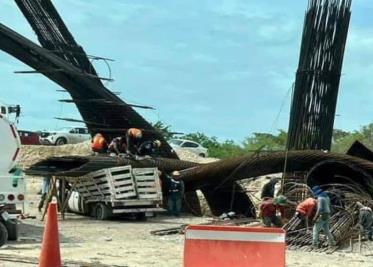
318 75
322 167
64 61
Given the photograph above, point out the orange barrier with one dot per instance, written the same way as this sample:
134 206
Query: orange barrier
233 246
50 250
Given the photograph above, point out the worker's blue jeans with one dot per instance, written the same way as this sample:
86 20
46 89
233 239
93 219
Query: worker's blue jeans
323 223
174 204
366 221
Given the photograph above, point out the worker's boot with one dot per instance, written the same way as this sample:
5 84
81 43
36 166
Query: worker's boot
315 246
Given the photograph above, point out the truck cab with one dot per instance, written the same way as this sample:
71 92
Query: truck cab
12 182
11 112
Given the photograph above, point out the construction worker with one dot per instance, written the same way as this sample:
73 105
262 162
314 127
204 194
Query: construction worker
133 138
268 190
322 218
99 144
305 210
268 209
365 220
118 145
149 148
44 191
175 188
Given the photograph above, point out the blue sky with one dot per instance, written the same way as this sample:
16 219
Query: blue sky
222 67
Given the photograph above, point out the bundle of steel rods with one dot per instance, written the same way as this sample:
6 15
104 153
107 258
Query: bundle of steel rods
53 34
318 75
342 222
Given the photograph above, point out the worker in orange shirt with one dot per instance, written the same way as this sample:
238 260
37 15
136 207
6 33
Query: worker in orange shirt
133 140
99 144
306 210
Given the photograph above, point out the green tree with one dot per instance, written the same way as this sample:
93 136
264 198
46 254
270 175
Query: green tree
216 149
163 129
266 141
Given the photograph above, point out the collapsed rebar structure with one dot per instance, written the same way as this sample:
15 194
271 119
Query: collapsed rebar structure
64 61
217 179
345 217
317 79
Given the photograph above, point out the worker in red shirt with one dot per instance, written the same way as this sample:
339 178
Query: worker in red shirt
133 140
268 209
306 210
99 144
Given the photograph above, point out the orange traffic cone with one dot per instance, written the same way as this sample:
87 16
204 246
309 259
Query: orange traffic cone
50 250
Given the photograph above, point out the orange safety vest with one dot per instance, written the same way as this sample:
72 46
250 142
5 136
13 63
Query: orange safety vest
134 132
98 142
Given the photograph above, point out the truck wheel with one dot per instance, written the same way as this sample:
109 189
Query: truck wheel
61 141
12 228
140 216
102 212
3 234
202 155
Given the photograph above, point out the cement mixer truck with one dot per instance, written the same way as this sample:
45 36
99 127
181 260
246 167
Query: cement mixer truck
12 184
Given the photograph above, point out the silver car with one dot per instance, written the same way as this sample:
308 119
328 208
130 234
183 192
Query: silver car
190 146
66 136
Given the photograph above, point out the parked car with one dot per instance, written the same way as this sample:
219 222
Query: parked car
189 145
28 137
65 136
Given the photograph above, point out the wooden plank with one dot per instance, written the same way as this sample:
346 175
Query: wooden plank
144 178
139 171
146 184
142 190
122 176
121 183
125 195
152 196
121 168
125 188
95 177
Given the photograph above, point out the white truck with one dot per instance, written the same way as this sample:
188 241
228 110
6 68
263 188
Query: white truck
117 191
12 184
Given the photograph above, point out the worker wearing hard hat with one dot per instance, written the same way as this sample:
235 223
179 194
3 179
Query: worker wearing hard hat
99 144
149 148
322 217
133 140
175 188
268 209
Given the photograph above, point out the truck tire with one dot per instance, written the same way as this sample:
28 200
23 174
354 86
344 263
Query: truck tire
3 234
12 228
141 216
202 155
61 141
102 212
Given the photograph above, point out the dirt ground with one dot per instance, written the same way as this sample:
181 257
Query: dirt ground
87 242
